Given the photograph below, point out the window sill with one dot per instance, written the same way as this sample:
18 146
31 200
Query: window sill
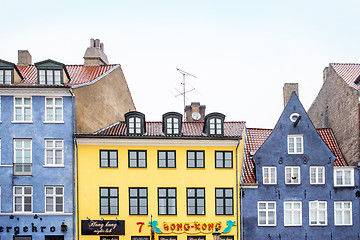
21 121
55 122
54 166
343 186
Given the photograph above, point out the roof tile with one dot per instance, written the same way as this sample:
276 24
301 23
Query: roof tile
79 74
349 72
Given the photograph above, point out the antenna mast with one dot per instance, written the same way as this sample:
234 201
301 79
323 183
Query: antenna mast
184 89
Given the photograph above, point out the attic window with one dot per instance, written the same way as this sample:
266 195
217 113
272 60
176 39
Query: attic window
6 76
214 124
50 77
135 123
172 123
50 72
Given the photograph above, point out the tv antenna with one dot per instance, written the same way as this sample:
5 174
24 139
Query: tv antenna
183 93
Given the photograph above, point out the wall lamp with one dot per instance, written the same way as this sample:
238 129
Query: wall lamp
102 219
216 234
87 218
63 227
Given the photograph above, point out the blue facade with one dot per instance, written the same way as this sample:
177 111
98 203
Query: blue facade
37 198
294 150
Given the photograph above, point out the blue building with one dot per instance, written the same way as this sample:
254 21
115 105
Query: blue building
296 184
37 164
37 123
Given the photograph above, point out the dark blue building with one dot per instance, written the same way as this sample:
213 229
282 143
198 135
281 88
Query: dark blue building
296 184
37 153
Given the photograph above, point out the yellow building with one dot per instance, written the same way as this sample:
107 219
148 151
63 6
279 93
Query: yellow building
178 178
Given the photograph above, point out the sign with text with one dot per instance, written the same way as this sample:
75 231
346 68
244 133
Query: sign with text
109 238
227 238
140 238
196 238
168 238
103 227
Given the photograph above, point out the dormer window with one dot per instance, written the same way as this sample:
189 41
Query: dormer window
50 77
50 72
214 124
5 76
172 123
135 122
7 72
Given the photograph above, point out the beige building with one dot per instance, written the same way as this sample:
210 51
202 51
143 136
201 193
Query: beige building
100 89
337 106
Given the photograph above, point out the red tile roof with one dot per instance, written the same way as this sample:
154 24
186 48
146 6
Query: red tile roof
189 129
79 74
255 137
349 72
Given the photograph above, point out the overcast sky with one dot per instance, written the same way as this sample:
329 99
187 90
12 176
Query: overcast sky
241 52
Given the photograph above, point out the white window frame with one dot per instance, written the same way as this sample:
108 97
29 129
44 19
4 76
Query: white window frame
267 211
135 125
318 175
270 175
344 170
53 198
172 126
50 77
53 107
292 147
23 161
317 210
5 76
22 195
342 211
22 107
293 180
54 149
292 212
215 126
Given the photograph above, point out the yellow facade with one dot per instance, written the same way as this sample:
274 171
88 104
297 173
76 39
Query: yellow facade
91 177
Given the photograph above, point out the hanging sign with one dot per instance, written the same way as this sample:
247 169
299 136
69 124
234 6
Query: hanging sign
103 227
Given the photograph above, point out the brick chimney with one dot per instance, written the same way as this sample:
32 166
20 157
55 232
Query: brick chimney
195 112
94 55
24 58
288 89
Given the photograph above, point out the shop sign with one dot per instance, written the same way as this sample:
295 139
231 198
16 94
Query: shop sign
27 229
168 238
103 227
191 227
109 238
196 238
227 238
140 238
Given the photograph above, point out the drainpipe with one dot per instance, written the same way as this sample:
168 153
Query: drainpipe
237 187
74 160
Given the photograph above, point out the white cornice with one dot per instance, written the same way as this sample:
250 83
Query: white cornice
155 142
53 92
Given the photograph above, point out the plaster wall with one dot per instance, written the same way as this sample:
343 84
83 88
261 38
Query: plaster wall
337 107
102 103
153 177
41 176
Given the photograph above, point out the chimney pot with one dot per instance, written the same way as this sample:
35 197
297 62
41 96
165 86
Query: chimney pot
102 46
92 42
97 43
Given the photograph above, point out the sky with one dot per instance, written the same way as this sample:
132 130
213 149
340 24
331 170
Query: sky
241 52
